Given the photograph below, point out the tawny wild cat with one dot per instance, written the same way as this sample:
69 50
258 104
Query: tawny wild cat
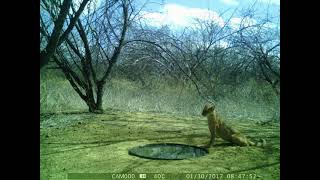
219 129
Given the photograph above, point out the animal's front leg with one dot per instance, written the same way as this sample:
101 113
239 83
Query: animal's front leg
213 138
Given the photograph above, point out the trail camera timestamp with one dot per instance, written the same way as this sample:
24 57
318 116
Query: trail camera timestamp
220 176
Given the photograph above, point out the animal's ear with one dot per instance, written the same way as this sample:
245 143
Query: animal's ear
206 107
211 108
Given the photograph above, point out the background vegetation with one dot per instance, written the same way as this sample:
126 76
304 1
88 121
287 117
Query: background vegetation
114 58
110 81
249 99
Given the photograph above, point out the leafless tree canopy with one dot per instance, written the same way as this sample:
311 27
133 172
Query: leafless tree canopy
87 47
57 12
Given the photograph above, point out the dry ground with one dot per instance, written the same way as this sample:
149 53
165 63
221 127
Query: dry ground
78 142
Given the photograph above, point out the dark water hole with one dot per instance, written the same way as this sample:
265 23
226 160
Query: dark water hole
168 151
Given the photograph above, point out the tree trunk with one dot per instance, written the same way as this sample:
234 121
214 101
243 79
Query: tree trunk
90 103
95 107
43 59
46 54
100 89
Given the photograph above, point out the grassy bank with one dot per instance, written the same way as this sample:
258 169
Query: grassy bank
246 101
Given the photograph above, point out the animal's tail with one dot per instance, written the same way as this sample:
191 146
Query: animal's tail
261 143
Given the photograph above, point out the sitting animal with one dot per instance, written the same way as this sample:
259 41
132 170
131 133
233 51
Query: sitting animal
219 129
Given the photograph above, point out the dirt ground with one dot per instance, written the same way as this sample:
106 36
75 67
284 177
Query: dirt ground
79 142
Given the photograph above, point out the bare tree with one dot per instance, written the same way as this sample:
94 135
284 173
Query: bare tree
58 12
197 54
89 54
212 55
262 49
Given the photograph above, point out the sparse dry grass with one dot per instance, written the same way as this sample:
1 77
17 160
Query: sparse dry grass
247 101
100 143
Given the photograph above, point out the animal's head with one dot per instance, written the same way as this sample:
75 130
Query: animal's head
207 109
